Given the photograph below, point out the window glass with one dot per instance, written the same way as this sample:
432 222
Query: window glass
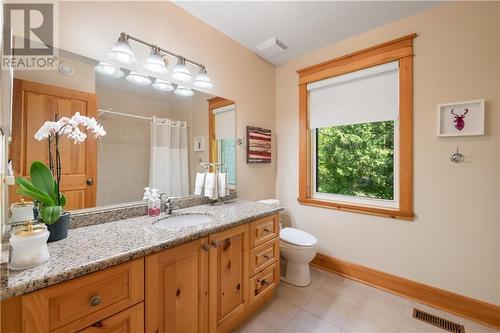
227 150
356 160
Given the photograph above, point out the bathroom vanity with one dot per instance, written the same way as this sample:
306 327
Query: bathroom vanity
132 276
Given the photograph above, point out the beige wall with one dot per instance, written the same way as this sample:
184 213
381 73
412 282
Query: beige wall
454 241
237 73
198 128
82 80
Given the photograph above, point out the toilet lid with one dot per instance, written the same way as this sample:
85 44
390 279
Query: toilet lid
297 237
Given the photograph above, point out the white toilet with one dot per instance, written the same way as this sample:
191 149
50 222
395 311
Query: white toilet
298 248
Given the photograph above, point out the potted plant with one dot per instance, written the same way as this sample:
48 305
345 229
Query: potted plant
43 188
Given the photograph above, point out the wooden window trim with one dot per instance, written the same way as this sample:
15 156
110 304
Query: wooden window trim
214 103
400 49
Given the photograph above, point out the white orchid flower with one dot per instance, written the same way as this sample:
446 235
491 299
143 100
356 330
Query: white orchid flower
71 127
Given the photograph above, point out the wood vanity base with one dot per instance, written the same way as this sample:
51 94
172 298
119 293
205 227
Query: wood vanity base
211 284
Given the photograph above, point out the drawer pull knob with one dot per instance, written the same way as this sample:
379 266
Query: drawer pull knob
178 292
266 256
98 324
215 243
267 229
95 300
205 247
238 287
264 282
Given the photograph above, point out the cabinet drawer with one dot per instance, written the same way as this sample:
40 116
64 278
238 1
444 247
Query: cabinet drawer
263 230
78 303
264 282
264 255
130 320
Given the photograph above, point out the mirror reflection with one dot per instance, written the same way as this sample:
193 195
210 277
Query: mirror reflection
155 137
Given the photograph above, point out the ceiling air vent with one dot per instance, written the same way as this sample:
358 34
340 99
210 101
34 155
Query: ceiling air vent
271 47
442 323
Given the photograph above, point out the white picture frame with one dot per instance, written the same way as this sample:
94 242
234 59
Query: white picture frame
448 123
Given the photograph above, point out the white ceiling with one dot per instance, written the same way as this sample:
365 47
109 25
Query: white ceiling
301 25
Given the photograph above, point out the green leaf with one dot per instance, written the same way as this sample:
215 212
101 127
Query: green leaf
42 178
50 214
26 188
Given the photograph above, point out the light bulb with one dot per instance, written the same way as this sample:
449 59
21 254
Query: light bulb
181 72
202 80
109 69
183 91
138 78
155 62
163 85
122 52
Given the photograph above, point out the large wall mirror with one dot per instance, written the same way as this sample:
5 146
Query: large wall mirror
154 137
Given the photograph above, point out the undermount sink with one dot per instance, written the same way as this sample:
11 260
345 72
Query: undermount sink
181 221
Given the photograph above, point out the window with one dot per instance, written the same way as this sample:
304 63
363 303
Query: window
352 120
227 156
356 163
356 132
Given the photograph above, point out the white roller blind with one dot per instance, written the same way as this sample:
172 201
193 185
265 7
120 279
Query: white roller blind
224 122
365 96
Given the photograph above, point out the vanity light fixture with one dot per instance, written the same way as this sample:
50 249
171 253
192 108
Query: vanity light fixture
122 52
163 85
138 79
181 72
202 80
109 69
155 63
183 91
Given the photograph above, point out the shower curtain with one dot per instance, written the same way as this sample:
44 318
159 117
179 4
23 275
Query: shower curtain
168 168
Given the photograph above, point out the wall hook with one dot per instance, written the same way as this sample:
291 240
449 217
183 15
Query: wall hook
456 157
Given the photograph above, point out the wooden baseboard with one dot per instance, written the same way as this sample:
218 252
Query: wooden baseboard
482 312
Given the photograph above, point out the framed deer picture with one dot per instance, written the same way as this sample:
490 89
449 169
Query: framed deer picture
461 118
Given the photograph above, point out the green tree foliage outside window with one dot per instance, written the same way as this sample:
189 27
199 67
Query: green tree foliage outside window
356 160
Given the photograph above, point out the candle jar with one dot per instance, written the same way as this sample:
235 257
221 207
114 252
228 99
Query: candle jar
28 246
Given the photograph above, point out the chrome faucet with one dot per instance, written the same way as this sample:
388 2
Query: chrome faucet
169 205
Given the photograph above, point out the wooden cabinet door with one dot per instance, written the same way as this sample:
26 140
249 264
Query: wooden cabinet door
228 277
130 320
35 103
177 289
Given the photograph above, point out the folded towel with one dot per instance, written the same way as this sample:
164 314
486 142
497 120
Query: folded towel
211 187
223 185
199 183
270 201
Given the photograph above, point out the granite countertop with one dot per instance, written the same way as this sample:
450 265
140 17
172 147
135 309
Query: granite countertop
92 248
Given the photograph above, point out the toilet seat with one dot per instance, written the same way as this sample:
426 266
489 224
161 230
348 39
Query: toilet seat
297 247
297 238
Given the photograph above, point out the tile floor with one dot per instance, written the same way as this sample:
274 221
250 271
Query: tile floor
332 303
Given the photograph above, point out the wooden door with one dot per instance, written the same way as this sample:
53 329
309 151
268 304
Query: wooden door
228 277
130 320
34 103
177 289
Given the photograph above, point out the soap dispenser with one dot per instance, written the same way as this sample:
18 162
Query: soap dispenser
29 246
154 203
147 194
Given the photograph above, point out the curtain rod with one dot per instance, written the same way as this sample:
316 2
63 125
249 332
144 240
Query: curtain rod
128 115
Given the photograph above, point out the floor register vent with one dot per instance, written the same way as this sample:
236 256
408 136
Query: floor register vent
438 321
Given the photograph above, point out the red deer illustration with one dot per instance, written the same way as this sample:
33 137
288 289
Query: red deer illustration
459 120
